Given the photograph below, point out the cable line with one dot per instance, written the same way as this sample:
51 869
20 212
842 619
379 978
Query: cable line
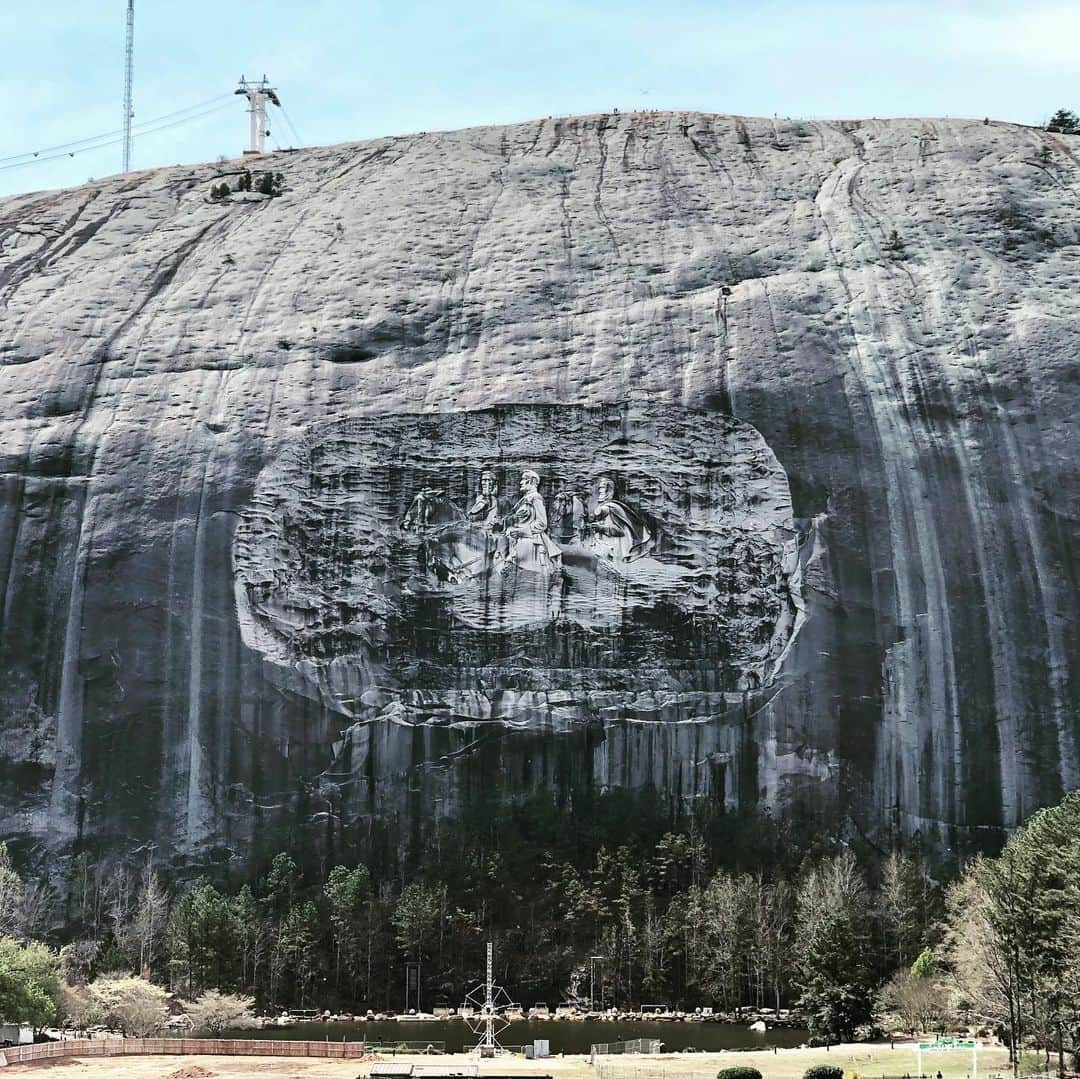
179 112
292 126
114 141
136 129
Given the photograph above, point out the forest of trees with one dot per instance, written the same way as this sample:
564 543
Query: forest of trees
843 935
667 904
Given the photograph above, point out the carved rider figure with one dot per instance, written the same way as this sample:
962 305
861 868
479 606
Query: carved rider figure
529 522
615 531
485 509
568 517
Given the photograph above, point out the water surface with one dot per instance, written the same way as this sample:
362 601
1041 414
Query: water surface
565 1036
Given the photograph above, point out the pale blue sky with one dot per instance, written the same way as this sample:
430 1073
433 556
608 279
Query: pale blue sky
354 70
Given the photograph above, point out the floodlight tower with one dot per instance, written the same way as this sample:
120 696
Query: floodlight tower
129 58
492 1002
489 1003
258 94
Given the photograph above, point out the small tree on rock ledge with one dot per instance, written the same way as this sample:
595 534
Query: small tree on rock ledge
1064 122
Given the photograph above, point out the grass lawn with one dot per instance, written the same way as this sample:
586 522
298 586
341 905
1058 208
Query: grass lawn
868 1061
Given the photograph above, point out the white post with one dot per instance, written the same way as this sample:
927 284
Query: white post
255 142
974 1061
919 1051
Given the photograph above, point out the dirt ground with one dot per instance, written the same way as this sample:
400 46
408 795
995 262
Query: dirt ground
866 1061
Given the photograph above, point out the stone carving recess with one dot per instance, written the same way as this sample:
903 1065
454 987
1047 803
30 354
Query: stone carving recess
535 565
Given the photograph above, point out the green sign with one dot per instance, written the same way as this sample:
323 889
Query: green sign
944 1044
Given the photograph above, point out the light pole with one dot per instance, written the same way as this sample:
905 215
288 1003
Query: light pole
593 960
412 985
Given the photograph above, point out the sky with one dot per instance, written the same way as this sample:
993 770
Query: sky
357 69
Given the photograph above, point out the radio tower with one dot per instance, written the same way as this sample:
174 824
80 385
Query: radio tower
258 94
129 59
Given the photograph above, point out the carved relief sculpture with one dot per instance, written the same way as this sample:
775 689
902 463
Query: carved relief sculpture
378 564
614 530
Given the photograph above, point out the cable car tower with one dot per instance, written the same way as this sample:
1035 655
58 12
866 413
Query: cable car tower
491 1003
258 94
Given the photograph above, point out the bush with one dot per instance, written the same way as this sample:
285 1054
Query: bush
269 183
738 1073
824 1071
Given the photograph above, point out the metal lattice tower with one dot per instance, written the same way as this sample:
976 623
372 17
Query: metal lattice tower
258 94
491 1002
129 64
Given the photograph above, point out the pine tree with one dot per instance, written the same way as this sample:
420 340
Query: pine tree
835 981
348 891
297 947
416 918
1064 122
833 965
202 941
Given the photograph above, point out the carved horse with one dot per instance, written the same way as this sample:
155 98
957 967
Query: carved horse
585 571
567 519
431 510
451 546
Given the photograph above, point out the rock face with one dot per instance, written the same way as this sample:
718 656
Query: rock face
799 399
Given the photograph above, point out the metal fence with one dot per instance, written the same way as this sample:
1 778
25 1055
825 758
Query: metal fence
648 1069
634 1045
406 1047
657 1069
240 1047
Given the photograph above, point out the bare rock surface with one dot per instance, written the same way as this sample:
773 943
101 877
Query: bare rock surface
878 316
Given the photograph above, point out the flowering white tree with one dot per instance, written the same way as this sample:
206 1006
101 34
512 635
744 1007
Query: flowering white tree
214 1012
134 1005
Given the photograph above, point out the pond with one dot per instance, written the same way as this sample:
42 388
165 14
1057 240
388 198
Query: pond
565 1036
